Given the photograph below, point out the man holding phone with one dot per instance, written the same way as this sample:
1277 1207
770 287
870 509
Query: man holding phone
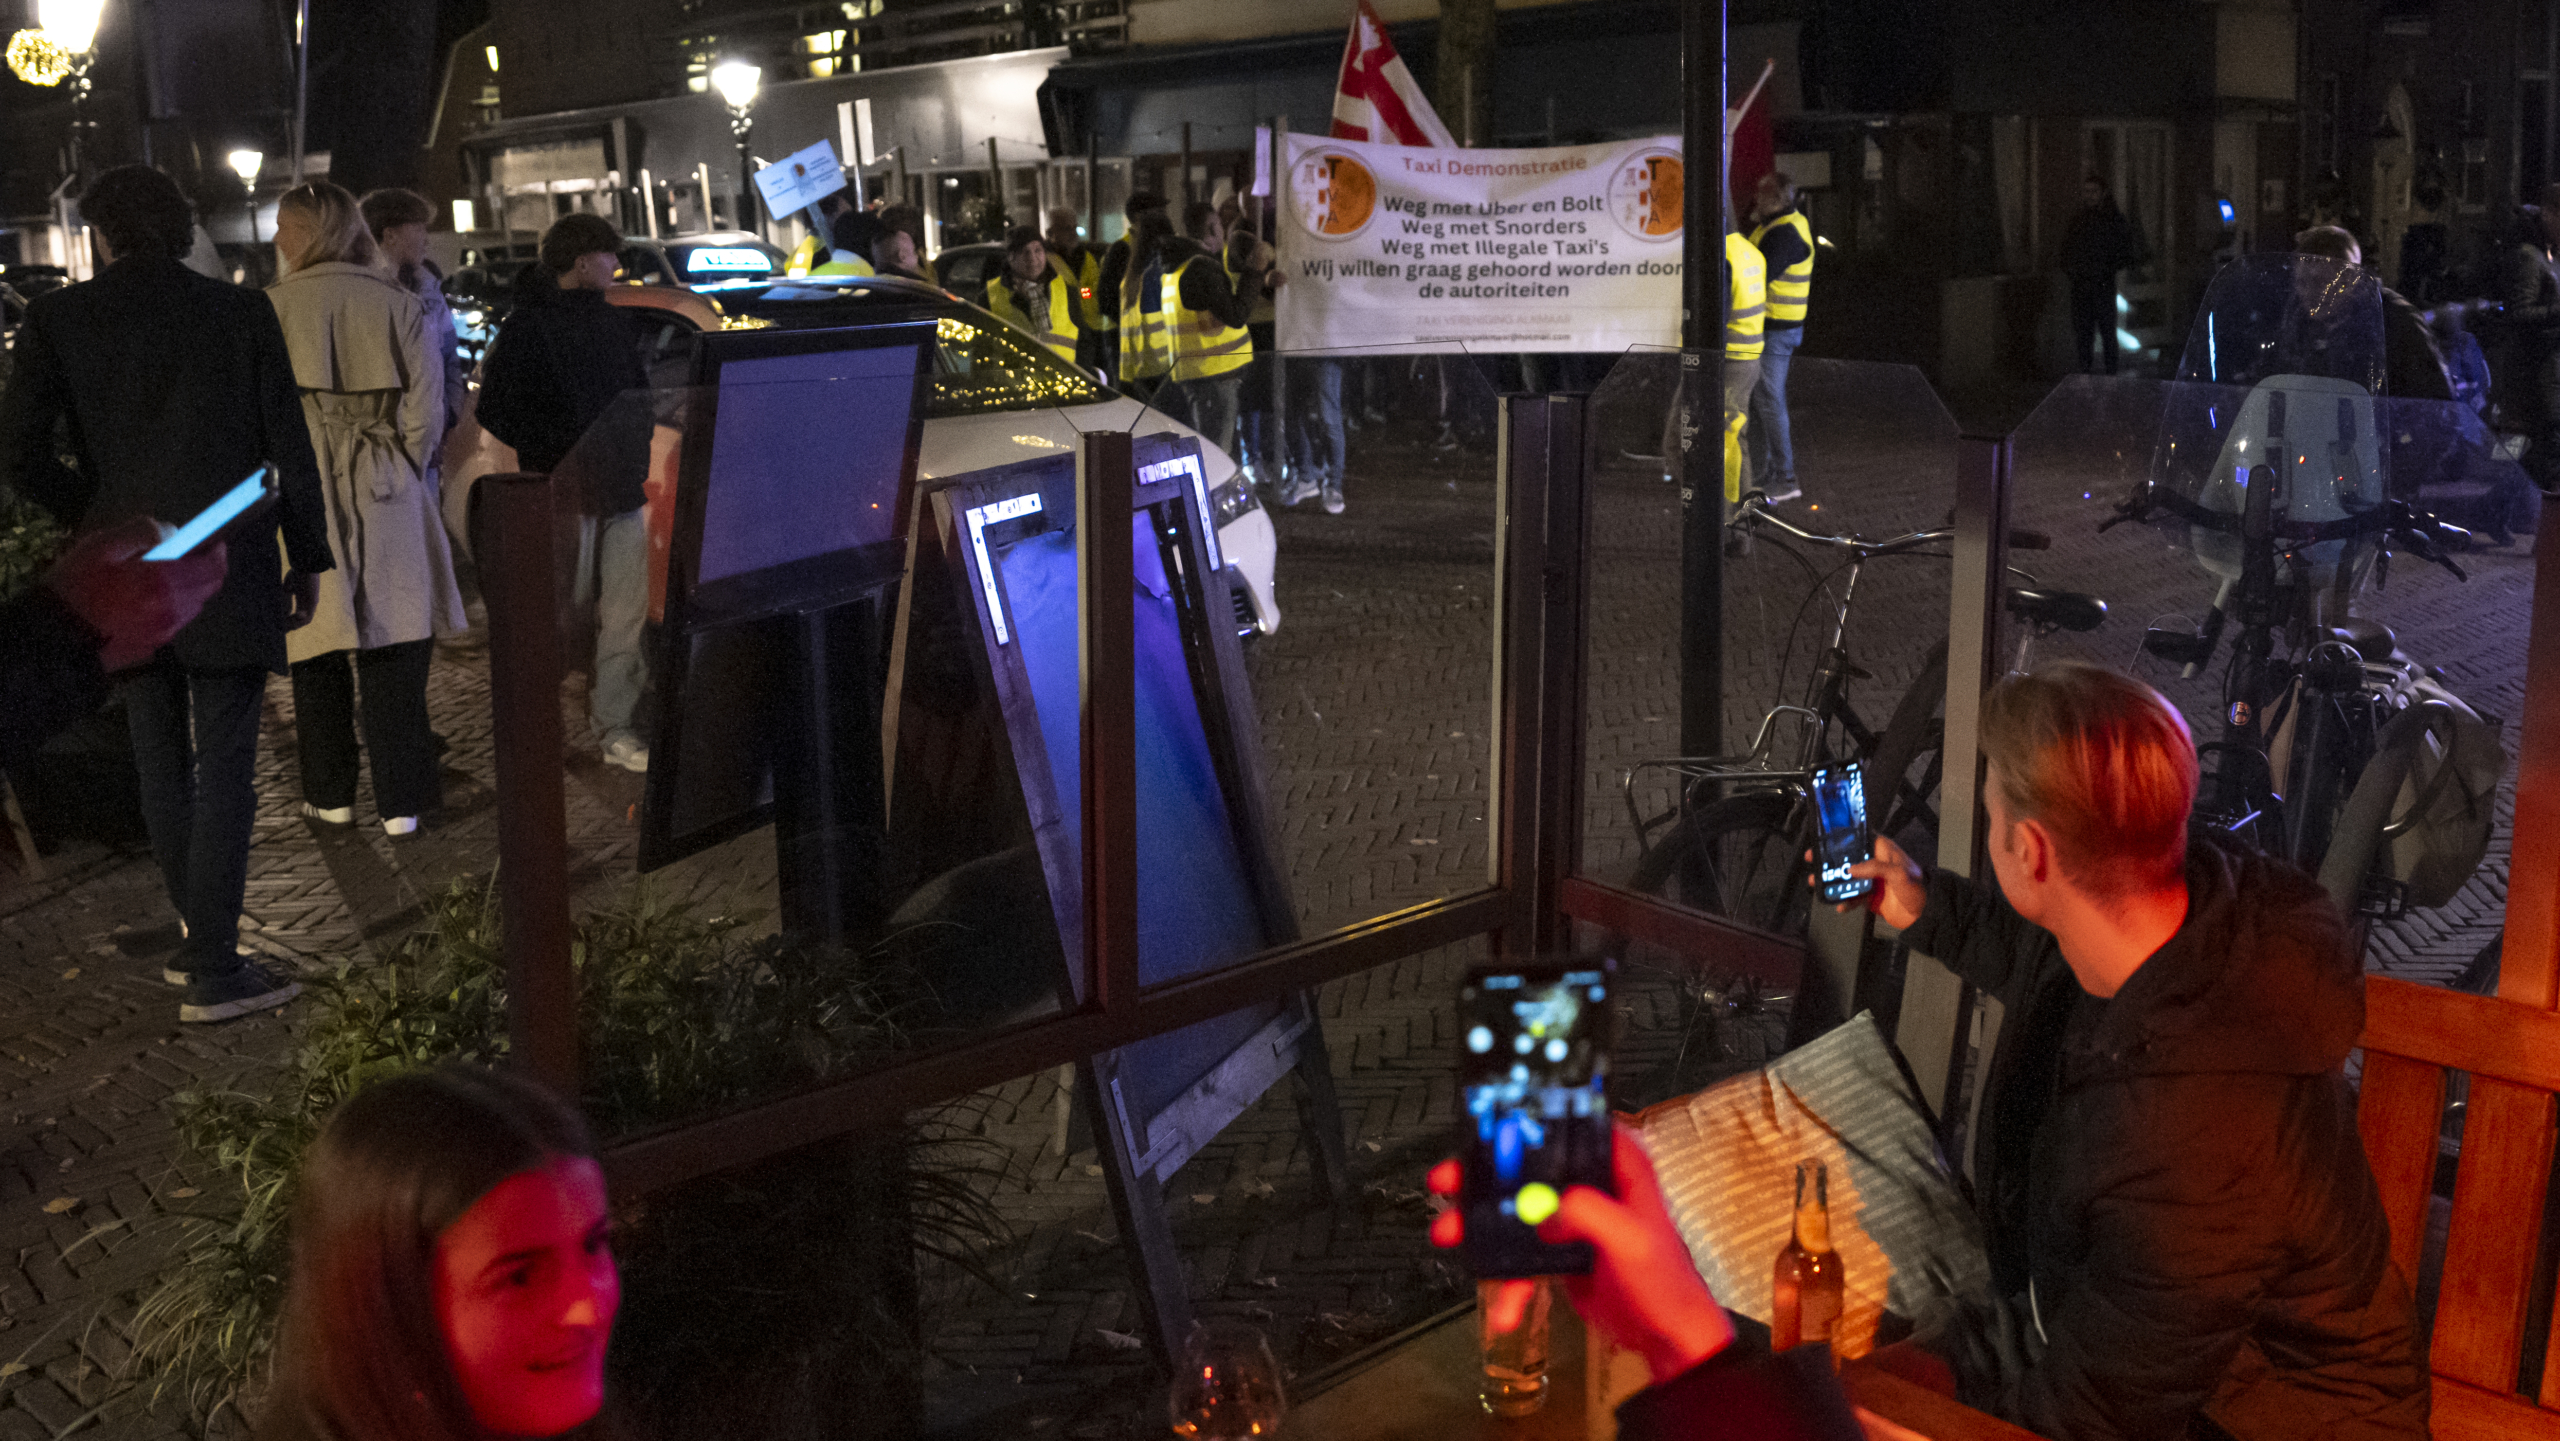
101 609
173 388
2182 1221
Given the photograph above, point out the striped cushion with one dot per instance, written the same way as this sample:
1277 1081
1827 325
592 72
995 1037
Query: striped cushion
1727 1155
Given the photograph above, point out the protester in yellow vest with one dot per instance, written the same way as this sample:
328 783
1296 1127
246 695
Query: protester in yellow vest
1146 321
1258 429
1746 312
855 233
1211 347
1032 292
1785 239
1082 262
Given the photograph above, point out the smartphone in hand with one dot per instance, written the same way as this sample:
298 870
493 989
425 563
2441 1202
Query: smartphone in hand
1840 803
235 506
1534 1079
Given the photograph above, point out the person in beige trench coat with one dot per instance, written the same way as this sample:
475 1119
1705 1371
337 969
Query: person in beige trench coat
373 393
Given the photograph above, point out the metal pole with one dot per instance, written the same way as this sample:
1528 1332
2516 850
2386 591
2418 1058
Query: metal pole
1186 164
533 807
1937 1007
301 80
1105 482
742 124
1540 607
1699 454
1280 458
1093 187
995 186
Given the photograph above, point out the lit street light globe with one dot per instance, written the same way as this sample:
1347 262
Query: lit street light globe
39 59
736 80
71 24
245 163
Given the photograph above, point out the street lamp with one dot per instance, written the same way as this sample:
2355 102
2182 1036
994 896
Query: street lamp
245 163
73 25
736 80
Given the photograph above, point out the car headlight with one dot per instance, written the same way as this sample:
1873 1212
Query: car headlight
1232 501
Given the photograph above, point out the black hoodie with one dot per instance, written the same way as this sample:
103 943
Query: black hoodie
2175 1177
564 377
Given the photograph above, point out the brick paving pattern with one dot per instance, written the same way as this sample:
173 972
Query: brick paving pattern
1375 708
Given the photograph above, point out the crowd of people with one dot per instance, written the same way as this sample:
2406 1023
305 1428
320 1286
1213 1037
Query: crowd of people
138 398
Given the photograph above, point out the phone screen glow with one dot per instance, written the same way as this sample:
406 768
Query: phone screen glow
1840 794
212 518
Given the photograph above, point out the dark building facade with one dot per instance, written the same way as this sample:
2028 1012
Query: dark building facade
2423 114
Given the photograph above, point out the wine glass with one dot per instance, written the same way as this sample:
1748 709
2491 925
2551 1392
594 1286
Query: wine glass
1225 1384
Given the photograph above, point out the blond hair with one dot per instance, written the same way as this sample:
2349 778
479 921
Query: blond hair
338 231
2105 764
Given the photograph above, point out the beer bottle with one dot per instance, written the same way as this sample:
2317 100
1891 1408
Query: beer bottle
1811 1288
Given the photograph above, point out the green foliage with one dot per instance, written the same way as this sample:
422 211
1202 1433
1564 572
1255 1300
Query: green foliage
29 540
682 1015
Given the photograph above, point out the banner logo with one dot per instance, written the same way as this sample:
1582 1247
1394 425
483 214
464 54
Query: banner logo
1333 193
1645 194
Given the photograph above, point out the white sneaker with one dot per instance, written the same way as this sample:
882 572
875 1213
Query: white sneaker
400 826
629 754
329 815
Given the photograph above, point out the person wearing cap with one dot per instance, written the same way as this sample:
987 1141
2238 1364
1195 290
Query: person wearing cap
1116 259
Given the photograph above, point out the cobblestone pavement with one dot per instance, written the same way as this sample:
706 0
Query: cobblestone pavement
1375 708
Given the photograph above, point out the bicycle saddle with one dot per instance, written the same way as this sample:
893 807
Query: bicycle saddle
2372 639
2058 609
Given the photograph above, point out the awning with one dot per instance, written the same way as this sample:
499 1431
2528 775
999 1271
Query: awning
1583 71
938 116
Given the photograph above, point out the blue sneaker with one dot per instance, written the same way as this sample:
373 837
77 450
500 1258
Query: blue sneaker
234 994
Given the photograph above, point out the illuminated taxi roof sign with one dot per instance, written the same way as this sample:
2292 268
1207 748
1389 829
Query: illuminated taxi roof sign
730 258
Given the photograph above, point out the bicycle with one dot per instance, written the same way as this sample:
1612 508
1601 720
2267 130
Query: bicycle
2299 730
1733 842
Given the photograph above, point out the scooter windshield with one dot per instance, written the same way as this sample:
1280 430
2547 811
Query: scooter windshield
2282 370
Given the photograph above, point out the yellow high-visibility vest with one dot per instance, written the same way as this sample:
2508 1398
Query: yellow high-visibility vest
854 265
1203 345
1060 334
1146 336
803 255
1746 312
1791 289
1084 276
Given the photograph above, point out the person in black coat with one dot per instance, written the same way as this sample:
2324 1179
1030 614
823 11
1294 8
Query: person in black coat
564 385
174 387
2100 243
2174 1187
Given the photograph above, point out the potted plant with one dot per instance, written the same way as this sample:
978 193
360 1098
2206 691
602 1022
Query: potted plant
779 1301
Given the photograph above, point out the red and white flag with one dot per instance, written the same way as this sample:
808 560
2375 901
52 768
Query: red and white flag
1377 99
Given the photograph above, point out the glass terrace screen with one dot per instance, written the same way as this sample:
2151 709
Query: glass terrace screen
1196 906
817 438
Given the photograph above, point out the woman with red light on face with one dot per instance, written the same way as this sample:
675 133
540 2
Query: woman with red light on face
453 1275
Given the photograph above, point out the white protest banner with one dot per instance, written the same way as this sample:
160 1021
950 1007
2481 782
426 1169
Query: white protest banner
1441 250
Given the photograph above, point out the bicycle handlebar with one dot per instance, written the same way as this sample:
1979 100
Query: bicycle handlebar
1754 507
2420 532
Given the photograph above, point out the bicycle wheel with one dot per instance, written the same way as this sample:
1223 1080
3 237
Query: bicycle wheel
1741 858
